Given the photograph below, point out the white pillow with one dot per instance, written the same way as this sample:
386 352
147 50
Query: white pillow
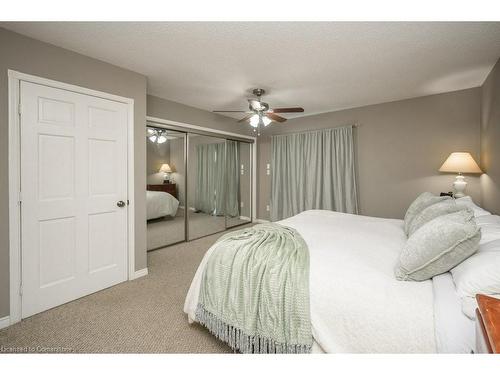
490 228
468 202
480 273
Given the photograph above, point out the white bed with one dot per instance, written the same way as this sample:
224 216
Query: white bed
357 305
160 204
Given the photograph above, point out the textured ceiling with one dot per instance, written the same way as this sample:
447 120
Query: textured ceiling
320 66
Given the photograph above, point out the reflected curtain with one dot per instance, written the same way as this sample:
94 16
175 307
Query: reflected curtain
206 178
214 194
313 170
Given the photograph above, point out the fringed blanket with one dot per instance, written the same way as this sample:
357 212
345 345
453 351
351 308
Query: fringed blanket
255 291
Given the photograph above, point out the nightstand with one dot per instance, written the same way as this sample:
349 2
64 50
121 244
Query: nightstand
487 324
167 188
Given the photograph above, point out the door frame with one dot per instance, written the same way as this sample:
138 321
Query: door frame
203 129
15 247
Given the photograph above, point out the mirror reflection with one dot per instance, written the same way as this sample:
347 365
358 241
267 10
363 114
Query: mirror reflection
165 195
206 185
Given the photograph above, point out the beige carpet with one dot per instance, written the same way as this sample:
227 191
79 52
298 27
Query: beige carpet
140 316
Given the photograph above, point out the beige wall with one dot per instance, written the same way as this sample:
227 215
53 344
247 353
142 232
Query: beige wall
30 56
490 141
400 146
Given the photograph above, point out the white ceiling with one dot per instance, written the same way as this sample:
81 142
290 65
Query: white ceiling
320 66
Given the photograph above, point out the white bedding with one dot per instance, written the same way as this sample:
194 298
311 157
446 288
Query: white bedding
357 305
455 332
159 204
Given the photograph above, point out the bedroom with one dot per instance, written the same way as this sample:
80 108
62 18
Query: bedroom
145 175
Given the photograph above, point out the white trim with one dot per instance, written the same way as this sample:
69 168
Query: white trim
14 205
158 120
140 273
14 181
261 221
245 218
197 127
4 322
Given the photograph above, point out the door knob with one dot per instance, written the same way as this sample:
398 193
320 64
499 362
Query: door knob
120 204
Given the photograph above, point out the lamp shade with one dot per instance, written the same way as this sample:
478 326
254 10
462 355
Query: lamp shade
165 168
460 162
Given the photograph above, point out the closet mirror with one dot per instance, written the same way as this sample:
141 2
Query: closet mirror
165 195
206 185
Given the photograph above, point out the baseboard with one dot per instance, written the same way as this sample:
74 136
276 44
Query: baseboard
245 218
4 322
140 273
261 221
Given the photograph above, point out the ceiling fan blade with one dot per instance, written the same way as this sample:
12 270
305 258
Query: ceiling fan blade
246 118
231 111
287 110
274 117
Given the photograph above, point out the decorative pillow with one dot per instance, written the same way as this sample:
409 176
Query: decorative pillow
468 202
423 200
438 246
434 210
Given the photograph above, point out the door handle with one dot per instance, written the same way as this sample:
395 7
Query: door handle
120 204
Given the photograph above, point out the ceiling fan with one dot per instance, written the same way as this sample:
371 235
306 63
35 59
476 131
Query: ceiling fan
260 114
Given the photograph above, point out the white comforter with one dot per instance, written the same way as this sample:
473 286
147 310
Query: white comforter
357 305
159 204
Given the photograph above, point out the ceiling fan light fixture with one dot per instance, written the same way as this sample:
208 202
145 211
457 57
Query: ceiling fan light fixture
266 120
161 139
254 120
153 138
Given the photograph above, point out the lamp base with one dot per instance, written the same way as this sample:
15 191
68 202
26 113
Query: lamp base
459 185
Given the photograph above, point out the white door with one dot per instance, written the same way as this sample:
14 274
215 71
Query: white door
73 177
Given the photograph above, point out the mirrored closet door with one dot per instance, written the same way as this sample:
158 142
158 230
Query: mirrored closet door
198 184
165 195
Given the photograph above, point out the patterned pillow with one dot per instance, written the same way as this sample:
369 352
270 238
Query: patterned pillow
445 207
438 246
423 200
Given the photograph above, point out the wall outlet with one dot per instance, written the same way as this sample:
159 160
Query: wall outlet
241 204
267 208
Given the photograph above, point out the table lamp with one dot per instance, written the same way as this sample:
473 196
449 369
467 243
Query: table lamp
460 162
165 168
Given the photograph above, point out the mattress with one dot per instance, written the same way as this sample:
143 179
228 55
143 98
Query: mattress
160 204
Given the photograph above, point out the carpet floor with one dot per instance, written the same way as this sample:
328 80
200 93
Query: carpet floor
139 316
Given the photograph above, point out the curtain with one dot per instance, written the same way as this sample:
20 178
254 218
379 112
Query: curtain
206 178
313 170
214 194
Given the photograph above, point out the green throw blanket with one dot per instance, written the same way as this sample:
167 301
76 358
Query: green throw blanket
255 291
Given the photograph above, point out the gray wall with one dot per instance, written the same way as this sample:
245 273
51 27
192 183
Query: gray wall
400 146
490 141
30 56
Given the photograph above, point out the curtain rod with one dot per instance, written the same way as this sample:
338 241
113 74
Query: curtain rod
355 125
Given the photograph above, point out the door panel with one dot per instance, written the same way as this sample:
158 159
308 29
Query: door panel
73 172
